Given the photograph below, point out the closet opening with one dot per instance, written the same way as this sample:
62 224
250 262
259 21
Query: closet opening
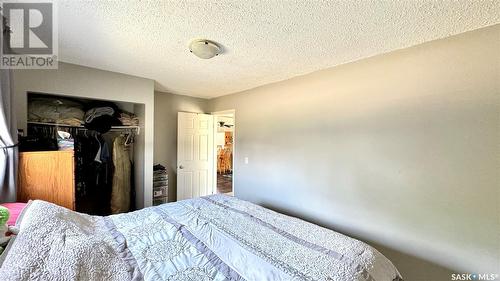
89 152
224 124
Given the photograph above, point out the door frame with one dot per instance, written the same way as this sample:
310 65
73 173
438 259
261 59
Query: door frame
214 149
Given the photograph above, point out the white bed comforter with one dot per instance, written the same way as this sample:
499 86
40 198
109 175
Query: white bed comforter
209 238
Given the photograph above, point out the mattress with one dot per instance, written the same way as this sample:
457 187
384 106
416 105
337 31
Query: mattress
209 238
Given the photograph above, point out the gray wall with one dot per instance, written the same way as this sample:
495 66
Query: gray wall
166 108
400 150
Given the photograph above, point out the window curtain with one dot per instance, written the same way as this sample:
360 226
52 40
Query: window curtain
8 138
8 151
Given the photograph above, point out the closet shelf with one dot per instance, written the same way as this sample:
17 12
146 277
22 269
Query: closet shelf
113 128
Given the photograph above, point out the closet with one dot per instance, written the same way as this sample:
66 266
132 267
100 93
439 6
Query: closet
79 153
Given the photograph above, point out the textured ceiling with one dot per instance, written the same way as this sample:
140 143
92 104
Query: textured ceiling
263 41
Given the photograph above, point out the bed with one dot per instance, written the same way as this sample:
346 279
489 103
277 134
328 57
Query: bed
209 238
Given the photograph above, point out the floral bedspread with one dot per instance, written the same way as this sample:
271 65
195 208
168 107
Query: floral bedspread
209 238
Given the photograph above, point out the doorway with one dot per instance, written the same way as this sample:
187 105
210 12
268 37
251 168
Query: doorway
224 127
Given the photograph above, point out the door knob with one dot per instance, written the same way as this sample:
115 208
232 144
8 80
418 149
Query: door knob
181 167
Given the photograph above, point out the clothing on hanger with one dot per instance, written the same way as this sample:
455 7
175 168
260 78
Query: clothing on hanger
102 167
120 194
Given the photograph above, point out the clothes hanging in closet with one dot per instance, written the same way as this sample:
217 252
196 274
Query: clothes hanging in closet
93 174
120 194
103 169
103 166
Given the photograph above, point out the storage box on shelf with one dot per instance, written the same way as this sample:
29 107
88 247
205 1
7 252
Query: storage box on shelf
159 201
160 185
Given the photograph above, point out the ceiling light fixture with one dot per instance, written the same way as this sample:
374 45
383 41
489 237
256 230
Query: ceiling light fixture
204 49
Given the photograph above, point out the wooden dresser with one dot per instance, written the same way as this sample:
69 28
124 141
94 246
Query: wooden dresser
47 175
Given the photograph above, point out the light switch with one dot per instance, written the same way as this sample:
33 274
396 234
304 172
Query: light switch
246 160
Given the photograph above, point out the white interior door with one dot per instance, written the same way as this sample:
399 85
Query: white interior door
195 159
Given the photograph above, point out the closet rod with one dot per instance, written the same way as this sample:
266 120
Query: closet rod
136 128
